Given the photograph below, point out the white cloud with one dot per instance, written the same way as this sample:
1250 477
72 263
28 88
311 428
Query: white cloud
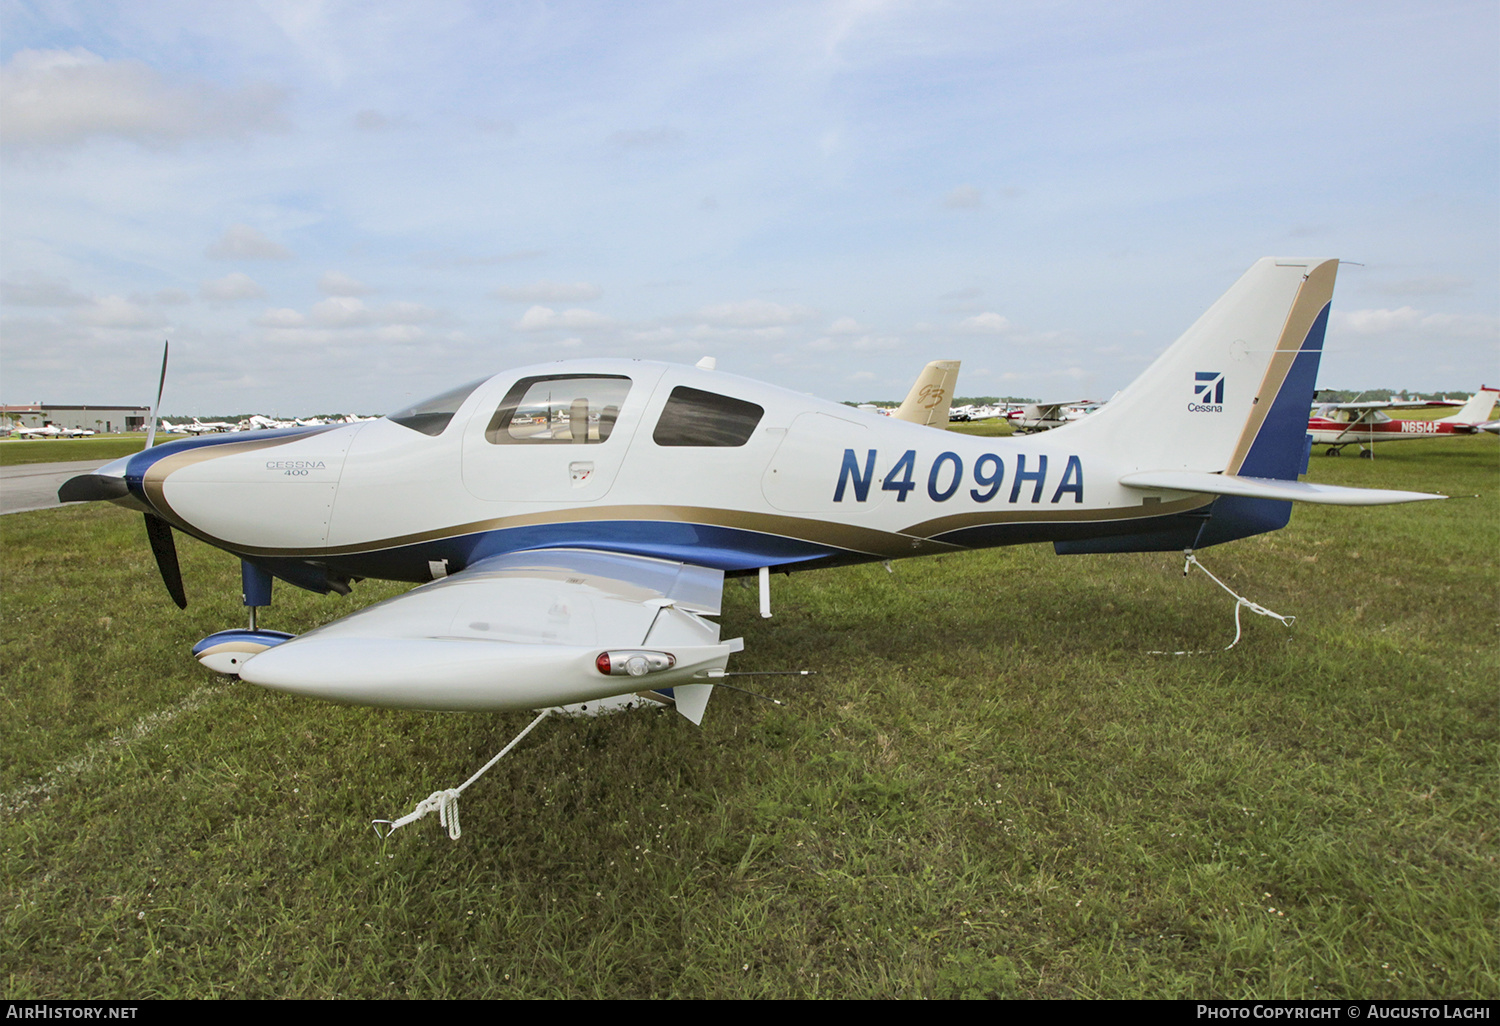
846 326
964 197
332 283
62 97
864 344
351 312
1408 319
1463 325
340 312
400 333
754 313
39 290
548 292
406 313
986 324
541 318
231 288
1433 285
117 312
281 317
1377 322
241 242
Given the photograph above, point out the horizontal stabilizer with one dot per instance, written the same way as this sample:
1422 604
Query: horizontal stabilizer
1268 488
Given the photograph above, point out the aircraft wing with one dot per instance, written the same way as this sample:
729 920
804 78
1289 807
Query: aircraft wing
1268 488
1385 404
523 630
1052 411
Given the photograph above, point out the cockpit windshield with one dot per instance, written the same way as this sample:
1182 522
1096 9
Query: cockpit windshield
431 416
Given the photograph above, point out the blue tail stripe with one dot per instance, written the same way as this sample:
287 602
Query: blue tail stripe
1277 451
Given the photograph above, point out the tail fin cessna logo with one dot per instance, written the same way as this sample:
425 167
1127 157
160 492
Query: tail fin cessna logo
1208 386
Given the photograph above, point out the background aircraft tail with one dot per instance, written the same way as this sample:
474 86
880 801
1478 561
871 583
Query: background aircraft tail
931 396
1478 409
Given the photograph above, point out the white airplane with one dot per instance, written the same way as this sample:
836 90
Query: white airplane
575 521
53 431
197 427
976 411
256 422
1034 417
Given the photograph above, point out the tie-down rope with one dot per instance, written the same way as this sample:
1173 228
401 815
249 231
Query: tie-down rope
445 803
1239 602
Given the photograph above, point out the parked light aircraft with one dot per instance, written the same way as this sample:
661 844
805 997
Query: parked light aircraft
197 427
1339 424
53 431
575 521
1033 417
985 411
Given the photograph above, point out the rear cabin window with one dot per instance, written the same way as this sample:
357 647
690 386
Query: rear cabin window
564 409
698 418
431 416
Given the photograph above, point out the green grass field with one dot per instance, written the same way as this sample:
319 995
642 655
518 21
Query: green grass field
991 787
14 452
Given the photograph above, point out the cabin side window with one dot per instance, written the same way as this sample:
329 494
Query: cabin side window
431 416
697 418
563 409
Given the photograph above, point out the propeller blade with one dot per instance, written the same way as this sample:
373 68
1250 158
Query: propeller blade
165 551
155 409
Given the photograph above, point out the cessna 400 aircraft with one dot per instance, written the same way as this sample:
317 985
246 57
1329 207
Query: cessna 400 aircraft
575 521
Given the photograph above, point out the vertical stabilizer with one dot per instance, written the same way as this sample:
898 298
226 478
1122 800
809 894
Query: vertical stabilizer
931 396
1477 410
1231 395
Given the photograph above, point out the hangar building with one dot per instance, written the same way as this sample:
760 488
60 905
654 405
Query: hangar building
103 419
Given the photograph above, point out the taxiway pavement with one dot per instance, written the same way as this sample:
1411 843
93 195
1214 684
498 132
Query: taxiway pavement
34 485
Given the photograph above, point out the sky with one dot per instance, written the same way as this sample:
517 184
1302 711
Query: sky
344 207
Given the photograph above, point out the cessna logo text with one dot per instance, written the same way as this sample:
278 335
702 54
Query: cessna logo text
296 465
1208 386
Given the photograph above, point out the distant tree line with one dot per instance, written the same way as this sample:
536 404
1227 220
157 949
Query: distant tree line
1345 395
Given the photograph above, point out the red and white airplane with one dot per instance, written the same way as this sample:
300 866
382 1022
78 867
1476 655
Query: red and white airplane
1339 424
